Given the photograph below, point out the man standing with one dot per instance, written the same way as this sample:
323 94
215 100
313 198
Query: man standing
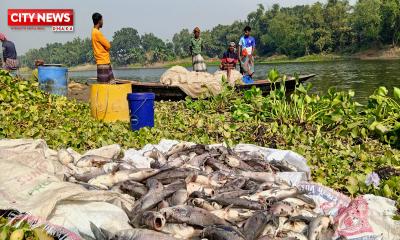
247 46
10 61
196 46
101 49
229 61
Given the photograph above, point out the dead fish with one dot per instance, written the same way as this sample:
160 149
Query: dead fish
258 176
250 156
277 193
232 185
201 203
152 220
235 162
239 203
108 180
180 147
179 173
255 225
157 192
173 163
217 165
224 150
179 197
125 166
306 213
192 216
154 185
233 194
282 209
181 231
283 166
107 168
251 185
233 215
295 225
65 157
207 181
195 187
159 158
135 189
92 161
321 228
301 201
222 233
198 160
265 186
259 165
219 178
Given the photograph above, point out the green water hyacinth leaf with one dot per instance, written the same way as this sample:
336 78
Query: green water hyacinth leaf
273 75
382 91
396 92
387 191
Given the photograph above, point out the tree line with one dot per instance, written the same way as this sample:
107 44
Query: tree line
335 26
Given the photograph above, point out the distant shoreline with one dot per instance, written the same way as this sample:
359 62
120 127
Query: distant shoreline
388 53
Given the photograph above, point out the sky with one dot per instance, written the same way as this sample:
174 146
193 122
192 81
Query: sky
162 17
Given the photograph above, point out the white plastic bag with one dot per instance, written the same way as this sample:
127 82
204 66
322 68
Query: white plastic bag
368 217
28 184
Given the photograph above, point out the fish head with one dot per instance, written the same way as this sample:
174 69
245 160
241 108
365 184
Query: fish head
270 201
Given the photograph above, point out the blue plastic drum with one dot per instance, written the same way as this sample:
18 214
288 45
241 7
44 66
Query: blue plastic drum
53 80
141 110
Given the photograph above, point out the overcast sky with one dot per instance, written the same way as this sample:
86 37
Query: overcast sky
161 17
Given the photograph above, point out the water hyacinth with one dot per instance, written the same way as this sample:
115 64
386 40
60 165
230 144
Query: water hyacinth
372 179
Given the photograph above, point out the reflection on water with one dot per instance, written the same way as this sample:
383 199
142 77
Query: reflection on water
362 76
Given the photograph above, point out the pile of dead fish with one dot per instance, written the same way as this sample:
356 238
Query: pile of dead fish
203 192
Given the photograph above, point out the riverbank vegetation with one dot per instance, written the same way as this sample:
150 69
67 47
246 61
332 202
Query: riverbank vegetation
318 29
342 140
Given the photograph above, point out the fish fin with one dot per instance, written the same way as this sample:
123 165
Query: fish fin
98 233
228 208
85 236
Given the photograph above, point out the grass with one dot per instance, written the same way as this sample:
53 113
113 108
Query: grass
308 58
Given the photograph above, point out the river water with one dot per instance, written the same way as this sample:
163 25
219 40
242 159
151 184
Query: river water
361 76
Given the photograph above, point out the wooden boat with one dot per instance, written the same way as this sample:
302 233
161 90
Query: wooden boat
173 93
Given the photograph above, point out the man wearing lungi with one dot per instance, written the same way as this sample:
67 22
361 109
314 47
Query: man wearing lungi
196 46
101 49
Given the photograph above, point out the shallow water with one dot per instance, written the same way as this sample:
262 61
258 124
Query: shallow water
362 76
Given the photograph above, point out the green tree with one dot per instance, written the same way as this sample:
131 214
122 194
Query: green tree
337 19
286 35
367 20
390 12
124 40
181 43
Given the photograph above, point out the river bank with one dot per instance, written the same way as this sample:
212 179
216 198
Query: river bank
386 53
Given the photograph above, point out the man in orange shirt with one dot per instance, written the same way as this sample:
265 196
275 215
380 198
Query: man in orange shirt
101 49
